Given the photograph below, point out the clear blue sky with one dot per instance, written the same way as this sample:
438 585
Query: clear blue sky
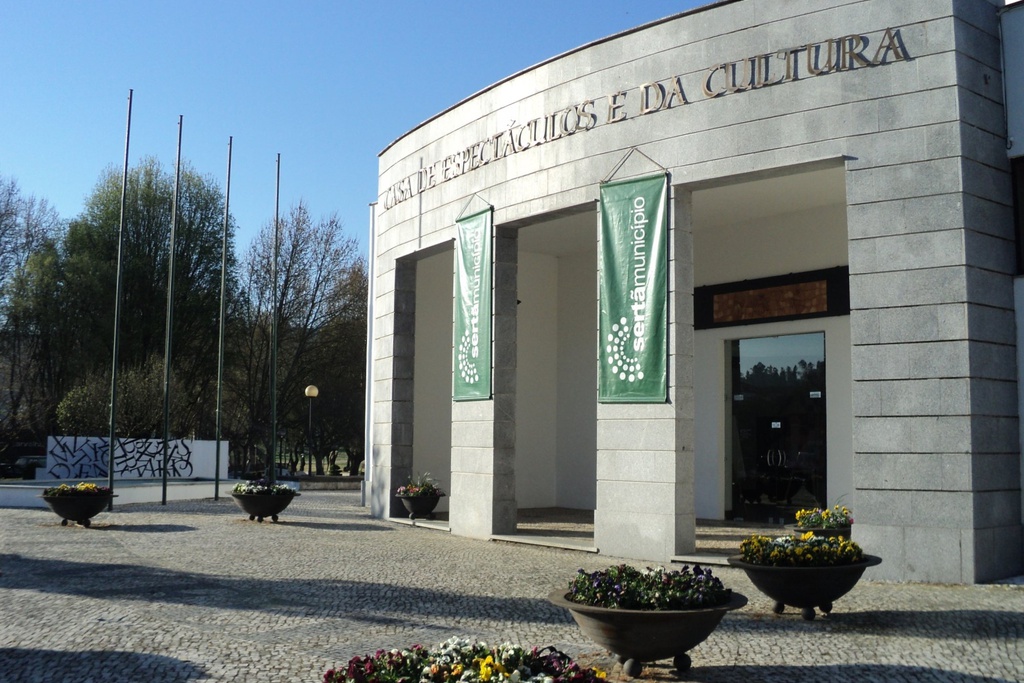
327 84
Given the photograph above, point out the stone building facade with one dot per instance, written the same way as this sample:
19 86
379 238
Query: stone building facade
840 314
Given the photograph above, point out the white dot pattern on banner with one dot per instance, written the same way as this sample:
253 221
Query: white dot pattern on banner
627 368
467 368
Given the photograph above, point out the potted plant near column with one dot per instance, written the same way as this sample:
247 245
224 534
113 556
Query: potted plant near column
647 615
804 571
261 498
420 496
78 503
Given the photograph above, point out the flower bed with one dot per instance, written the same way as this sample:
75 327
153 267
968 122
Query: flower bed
824 518
420 486
626 587
80 489
458 659
807 550
262 487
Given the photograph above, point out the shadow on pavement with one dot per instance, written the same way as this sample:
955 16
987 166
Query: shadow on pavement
816 674
144 528
370 602
335 526
941 624
964 624
208 507
108 666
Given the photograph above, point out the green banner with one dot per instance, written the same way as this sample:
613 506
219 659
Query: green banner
634 291
473 269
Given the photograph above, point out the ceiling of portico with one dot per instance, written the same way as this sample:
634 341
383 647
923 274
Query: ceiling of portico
747 202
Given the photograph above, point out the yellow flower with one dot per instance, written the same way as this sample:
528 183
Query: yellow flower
488 667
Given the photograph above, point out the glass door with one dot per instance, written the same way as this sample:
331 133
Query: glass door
775 436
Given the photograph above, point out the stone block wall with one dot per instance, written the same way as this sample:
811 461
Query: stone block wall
931 258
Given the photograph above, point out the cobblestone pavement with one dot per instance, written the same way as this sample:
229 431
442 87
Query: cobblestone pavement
193 591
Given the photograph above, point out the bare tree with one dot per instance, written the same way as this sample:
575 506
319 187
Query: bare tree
29 228
315 267
25 223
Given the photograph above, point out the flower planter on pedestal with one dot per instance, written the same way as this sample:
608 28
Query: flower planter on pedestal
260 505
420 506
843 531
805 587
80 509
637 636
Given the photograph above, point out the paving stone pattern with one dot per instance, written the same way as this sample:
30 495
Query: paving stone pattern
194 591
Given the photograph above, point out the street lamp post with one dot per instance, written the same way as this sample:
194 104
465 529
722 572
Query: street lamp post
311 393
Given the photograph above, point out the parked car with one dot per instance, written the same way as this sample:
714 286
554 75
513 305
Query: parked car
8 470
260 473
27 465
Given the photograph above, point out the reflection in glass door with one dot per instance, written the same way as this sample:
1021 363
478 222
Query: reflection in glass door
775 446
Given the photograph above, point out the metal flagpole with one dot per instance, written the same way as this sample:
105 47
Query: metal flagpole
371 278
117 309
168 334
272 456
223 309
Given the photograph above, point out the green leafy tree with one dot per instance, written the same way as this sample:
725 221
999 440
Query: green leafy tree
57 304
85 409
62 305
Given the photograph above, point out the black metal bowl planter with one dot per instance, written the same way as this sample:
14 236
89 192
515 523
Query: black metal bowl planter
420 496
78 509
805 587
638 636
420 506
263 505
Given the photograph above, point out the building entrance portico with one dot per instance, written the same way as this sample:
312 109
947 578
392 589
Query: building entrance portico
555 374
756 457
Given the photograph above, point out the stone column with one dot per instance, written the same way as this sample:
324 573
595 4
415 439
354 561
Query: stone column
393 378
483 496
645 451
